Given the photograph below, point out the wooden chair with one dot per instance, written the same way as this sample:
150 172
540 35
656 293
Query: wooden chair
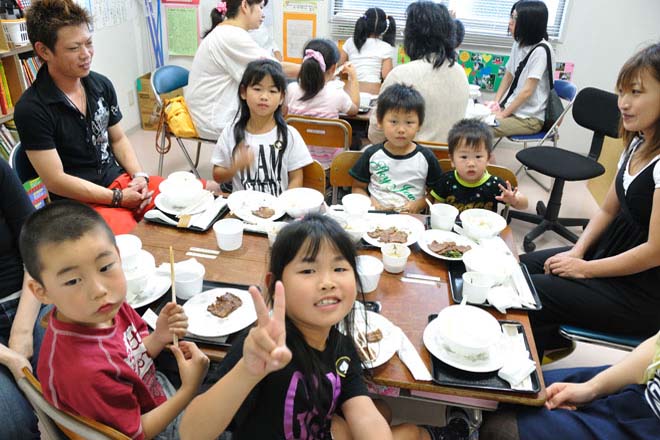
496 170
62 425
440 150
339 169
324 133
314 176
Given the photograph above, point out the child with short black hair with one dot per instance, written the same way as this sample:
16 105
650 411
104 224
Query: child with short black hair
97 354
469 184
396 173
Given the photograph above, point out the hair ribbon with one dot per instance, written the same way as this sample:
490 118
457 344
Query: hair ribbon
222 8
311 53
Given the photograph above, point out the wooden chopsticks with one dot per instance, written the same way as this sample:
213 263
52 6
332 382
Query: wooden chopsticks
175 338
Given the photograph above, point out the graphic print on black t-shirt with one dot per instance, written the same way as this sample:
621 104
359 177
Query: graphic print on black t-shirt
267 175
301 421
100 130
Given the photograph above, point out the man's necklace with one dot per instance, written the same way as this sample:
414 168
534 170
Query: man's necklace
83 100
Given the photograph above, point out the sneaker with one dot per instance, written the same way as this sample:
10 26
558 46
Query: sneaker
456 429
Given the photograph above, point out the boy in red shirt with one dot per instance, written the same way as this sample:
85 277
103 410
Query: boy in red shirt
97 356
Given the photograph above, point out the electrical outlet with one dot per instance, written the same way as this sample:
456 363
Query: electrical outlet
131 98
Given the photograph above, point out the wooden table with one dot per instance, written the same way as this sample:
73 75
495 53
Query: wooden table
405 304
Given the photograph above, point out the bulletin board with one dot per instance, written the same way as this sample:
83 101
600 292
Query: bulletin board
484 69
297 29
182 29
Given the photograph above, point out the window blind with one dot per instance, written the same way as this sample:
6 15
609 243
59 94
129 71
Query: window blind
485 21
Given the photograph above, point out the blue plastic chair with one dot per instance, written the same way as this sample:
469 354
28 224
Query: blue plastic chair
578 334
166 79
566 91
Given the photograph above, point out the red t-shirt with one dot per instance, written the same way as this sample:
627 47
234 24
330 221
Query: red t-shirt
104 374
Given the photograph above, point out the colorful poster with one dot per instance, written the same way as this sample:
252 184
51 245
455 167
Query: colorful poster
298 30
182 30
401 57
564 70
484 69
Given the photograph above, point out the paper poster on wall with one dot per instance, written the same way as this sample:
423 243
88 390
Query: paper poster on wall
300 6
564 70
401 57
298 29
109 13
182 30
484 69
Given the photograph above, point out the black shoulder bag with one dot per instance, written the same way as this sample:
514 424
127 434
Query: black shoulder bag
554 107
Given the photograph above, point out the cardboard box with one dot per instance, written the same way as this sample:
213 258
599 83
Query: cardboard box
149 109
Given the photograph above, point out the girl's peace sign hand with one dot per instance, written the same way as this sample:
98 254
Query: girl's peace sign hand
265 350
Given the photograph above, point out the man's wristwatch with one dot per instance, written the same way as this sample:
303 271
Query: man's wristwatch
141 174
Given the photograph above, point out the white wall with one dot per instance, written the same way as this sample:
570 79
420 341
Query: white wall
599 37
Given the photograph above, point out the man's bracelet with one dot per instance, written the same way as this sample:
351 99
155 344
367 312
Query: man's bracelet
117 197
141 174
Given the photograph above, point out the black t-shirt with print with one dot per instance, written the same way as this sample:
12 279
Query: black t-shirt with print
46 119
277 407
453 191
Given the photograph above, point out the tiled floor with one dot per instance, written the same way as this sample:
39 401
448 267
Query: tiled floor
577 202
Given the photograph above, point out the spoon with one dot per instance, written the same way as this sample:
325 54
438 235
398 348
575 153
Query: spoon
154 214
428 202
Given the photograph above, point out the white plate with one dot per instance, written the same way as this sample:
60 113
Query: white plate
441 237
156 287
242 203
437 348
386 347
161 203
406 223
202 323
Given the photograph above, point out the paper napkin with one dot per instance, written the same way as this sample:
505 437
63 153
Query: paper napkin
203 219
410 357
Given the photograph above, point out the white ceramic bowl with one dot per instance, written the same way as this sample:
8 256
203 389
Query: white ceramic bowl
181 189
395 257
468 331
356 204
487 261
482 223
301 201
137 279
129 250
369 269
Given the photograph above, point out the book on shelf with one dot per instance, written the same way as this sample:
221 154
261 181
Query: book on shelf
5 97
7 136
37 192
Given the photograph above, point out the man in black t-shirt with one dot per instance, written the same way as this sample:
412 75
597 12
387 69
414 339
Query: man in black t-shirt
68 121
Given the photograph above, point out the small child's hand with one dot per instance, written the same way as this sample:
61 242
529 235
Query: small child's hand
172 320
349 68
509 195
192 363
265 350
379 207
243 157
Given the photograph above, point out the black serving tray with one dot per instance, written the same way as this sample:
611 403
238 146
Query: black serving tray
456 270
444 374
206 285
223 212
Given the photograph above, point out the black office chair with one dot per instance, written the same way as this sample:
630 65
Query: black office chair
19 161
595 110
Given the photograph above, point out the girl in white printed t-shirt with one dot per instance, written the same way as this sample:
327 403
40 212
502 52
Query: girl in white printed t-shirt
259 150
371 48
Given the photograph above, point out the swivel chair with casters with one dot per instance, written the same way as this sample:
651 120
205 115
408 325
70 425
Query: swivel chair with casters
594 110
167 79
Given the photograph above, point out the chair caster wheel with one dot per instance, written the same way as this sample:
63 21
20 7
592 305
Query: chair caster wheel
540 208
529 246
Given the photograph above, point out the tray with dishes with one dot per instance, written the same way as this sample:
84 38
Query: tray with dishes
456 270
200 221
218 313
458 374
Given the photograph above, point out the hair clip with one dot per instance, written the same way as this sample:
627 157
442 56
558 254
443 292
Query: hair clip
222 8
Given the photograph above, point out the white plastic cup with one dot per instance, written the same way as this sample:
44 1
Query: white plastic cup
369 269
395 257
443 216
188 281
229 234
476 286
129 250
356 205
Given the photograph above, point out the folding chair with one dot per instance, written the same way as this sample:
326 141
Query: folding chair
22 166
62 425
440 150
325 137
566 91
314 177
496 170
339 176
610 340
167 79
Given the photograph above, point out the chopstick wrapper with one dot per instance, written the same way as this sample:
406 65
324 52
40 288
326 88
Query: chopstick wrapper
203 219
410 357
518 365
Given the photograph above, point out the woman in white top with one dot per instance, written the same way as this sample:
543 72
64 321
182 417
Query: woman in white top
219 64
524 110
429 40
371 48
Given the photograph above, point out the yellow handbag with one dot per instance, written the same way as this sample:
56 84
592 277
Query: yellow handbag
178 118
